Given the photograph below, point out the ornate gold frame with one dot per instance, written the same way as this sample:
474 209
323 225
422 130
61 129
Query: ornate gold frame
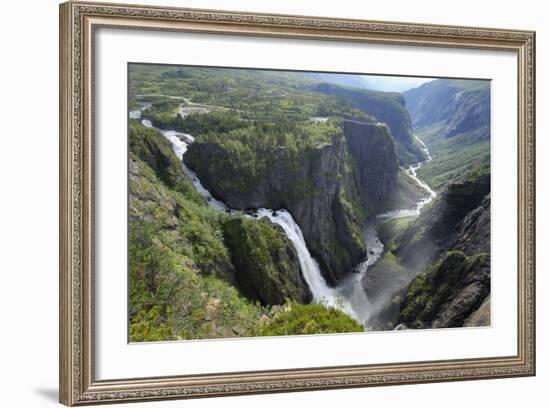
78 21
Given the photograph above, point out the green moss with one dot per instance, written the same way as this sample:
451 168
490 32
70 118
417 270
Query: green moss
308 319
267 266
418 295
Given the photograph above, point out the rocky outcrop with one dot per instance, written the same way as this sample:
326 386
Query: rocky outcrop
449 293
387 107
373 150
482 316
474 232
317 185
266 262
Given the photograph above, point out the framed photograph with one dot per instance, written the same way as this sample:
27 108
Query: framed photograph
256 203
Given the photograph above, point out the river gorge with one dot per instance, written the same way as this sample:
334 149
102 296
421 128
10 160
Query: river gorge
349 295
266 203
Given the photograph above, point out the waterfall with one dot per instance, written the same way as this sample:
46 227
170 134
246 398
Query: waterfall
348 298
310 267
180 141
412 172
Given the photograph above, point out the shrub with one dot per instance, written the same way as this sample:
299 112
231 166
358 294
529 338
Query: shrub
308 319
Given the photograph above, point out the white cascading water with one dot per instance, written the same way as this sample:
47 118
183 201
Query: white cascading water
310 268
180 141
411 171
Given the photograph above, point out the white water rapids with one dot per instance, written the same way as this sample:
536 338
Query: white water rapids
412 172
349 296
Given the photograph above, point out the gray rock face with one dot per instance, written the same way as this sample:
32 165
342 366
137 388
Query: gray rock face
319 189
373 150
482 316
474 232
469 294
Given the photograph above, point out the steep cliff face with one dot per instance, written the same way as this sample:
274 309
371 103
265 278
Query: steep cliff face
316 184
449 293
387 107
372 148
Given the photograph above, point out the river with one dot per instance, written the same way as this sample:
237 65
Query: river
349 296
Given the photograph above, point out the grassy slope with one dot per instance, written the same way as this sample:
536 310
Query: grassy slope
454 156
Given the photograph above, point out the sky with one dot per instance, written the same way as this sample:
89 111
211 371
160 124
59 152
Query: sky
394 84
376 82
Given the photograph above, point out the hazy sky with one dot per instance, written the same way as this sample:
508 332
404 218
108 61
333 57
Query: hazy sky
394 84
376 82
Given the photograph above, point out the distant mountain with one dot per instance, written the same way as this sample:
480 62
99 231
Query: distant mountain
349 80
456 106
453 118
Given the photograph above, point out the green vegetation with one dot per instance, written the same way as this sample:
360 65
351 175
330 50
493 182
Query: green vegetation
181 276
455 156
182 281
249 153
156 151
269 96
391 229
268 267
275 139
308 319
261 136
163 113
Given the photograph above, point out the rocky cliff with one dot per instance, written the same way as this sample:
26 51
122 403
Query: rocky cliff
387 107
373 150
266 262
317 185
